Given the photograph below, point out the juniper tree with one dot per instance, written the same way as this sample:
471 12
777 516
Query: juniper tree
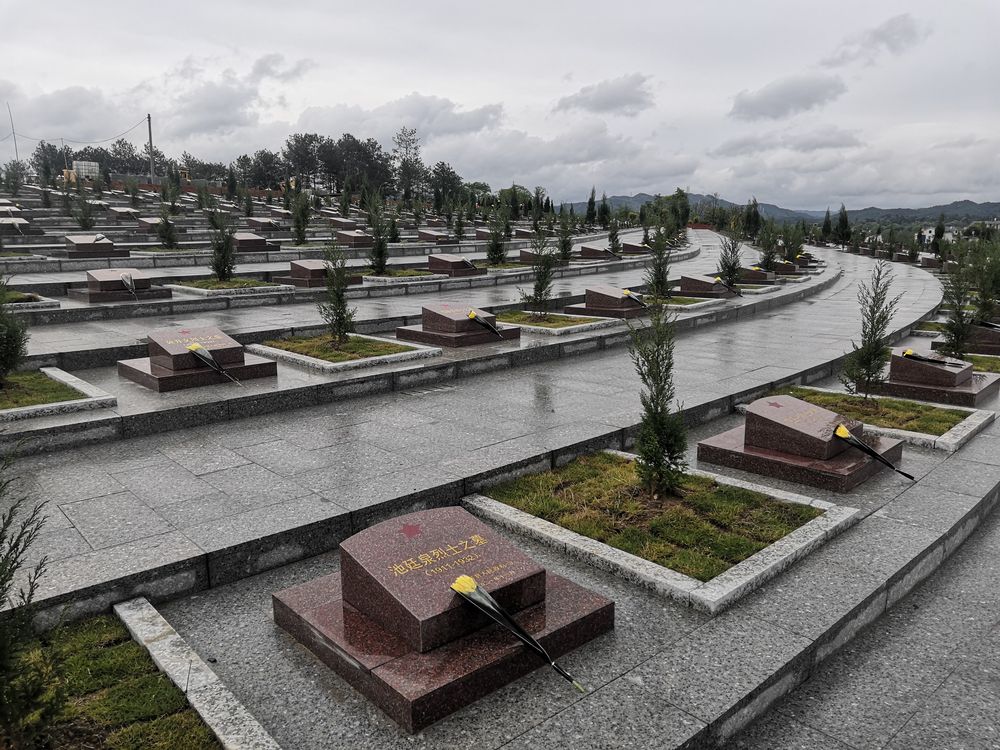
393 229
223 248
614 243
661 444
729 252
334 309
986 262
864 367
32 691
591 217
827 229
958 287
791 236
657 279
46 198
248 205
13 339
842 233
565 239
84 213
496 248
300 218
543 266
166 232
459 226
378 256
604 212
767 243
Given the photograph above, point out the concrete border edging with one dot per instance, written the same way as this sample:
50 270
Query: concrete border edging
417 351
230 721
94 398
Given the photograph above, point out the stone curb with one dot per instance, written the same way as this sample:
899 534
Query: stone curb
248 291
42 303
394 280
95 398
591 325
419 351
711 596
222 711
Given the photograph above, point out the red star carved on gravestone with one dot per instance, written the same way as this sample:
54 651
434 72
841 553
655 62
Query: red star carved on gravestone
410 530
775 404
185 330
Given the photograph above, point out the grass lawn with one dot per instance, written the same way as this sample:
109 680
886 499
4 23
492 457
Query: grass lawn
33 388
701 533
884 412
14 254
14 298
397 273
551 320
116 697
500 266
983 362
931 326
234 283
320 348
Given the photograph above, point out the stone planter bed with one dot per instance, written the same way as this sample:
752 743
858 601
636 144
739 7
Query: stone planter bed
412 352
970 422
263 289
37 302
565 326
722 588
390 280
78 396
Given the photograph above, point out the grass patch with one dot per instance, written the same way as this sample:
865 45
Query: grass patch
34 388
14 254
500 266
983 362
931 326
14 298
321 347
397 273
550 320
702 532
884 412
234 283
116 697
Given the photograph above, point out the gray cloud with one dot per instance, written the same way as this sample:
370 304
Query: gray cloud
627 95
787 96
893 36
817 139
432 116
270 66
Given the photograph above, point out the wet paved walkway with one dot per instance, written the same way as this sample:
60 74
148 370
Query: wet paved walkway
926 676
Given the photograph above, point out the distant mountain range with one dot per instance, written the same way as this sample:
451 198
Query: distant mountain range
959 212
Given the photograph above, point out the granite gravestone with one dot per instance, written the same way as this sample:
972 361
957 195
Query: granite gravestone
447 324
942 381
310 273
434 236
171 366
703 286
248 242
92 246
339 222
785 268
260 224
755 276
391 626
589 252
632 248
108 285
453 265
790 439
983 340
606 301
354 238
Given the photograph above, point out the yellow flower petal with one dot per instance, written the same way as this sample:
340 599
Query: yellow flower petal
464 584
472 314
842 432
626 292
194 347
718 279
908 353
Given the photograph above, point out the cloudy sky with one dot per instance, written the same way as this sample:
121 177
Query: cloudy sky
889 103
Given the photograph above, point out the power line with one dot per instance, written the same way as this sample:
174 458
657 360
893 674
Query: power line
82 143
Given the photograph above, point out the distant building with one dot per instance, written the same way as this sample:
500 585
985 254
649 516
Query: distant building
87 169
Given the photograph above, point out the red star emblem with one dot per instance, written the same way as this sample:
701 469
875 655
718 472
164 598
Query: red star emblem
775 404
410 530
185 330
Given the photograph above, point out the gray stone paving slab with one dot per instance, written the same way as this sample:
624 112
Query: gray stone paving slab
163 484
970 477
930 508
110 520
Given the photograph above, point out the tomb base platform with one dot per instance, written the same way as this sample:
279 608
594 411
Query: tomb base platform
416 689
623 313
117 295
161 379
982 386
456 338
839 474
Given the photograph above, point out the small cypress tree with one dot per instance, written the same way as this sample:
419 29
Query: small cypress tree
46 198
394 230
730 262
248 205
591 216
661 444
13 338
843 231
345 199
827 229
958 289
657 279
378 256
459 226
543 266
496 248
223 249
84 213
334 309
614 243
166 232
565 239
767 242
300 218
864 367
604 212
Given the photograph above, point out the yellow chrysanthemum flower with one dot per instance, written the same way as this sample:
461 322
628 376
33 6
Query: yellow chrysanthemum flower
194 347
472 314
842 432
464 584
908 353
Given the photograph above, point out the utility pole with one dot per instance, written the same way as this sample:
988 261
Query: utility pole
11 115
149 124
